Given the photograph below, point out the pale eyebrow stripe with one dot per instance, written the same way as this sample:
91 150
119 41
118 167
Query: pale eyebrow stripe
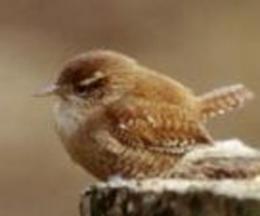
97 76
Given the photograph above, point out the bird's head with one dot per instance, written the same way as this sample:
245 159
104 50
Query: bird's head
94 76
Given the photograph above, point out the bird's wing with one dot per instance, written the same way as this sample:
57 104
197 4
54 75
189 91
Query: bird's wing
160 127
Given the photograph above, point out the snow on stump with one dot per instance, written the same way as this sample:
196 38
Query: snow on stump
231 189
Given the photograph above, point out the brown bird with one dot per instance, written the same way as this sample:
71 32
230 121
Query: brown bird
118 117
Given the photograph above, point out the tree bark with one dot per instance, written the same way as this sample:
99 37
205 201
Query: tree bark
222 180
157 197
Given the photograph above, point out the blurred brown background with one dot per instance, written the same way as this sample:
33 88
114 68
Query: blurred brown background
203 43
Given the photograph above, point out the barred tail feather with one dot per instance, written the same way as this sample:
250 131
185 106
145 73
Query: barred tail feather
223 100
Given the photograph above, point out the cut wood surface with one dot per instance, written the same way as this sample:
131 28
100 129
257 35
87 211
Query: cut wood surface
237 195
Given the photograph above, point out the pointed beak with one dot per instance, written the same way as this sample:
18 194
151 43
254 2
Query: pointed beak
47 91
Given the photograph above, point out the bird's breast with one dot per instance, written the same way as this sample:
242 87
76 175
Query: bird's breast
67 120
100 153
76 129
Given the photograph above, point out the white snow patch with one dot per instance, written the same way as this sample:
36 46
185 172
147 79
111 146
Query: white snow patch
228 148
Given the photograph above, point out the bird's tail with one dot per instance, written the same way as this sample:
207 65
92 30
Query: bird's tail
223 100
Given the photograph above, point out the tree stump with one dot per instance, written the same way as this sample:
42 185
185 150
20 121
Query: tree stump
183 195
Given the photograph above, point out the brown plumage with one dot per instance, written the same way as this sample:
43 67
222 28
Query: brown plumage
223 100
116 116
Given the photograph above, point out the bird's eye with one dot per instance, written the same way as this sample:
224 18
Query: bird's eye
80 90
88 87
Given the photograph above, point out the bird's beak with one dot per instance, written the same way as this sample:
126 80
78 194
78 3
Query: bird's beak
47 91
